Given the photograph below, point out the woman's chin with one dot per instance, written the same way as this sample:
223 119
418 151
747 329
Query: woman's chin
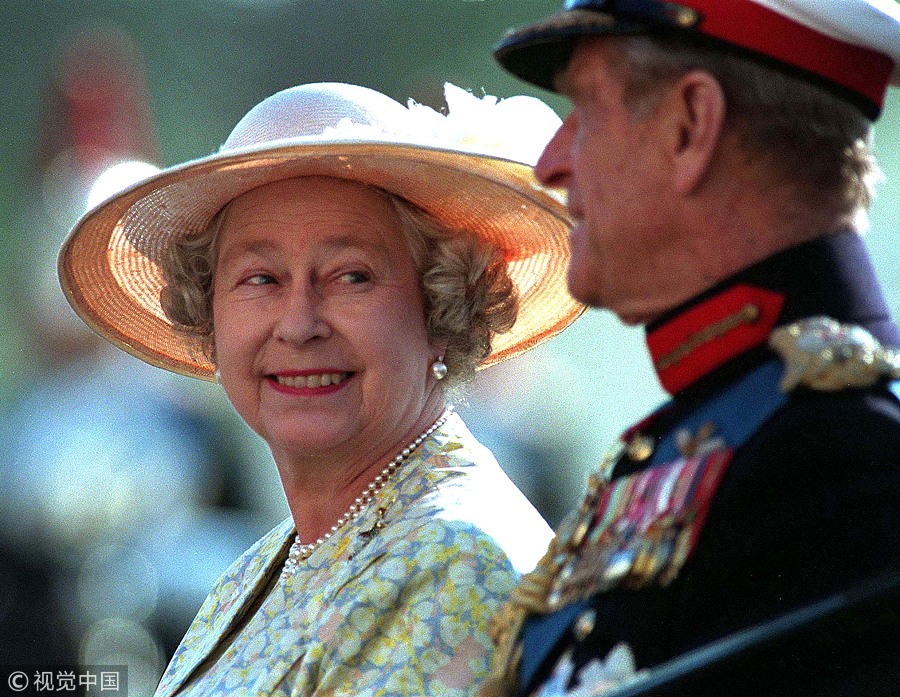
310 440
304 443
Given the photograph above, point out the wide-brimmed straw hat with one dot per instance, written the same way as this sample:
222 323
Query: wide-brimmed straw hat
470 169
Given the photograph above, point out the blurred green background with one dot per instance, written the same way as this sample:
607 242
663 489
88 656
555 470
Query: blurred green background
120 537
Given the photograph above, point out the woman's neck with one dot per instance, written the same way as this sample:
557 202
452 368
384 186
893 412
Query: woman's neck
321 490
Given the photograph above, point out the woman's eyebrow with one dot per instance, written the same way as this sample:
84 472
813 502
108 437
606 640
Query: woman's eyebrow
259 247
338 243
342 242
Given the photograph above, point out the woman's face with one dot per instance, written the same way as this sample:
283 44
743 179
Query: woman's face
319 320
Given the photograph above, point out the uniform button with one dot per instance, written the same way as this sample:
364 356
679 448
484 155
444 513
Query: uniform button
640 447
584 625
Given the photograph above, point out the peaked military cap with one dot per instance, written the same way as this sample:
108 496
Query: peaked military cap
849 46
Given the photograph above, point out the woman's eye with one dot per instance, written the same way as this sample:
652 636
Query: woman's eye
354 277
259 279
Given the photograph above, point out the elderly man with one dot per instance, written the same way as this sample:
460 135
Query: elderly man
718 166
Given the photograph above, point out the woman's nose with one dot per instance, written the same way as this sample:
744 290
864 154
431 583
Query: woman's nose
301 317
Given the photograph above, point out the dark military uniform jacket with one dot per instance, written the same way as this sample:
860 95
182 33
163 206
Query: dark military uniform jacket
771 479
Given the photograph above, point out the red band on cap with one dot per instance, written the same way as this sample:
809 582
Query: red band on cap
749 25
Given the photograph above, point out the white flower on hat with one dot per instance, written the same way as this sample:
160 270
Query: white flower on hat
516 128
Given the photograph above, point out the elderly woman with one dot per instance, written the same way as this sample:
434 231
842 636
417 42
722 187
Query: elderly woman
342 266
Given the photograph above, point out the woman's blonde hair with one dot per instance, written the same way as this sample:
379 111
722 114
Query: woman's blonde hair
468 294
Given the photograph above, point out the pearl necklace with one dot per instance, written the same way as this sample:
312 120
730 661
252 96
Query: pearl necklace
300 551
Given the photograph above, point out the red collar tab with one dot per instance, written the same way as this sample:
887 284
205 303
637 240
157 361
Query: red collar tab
750 25
710 334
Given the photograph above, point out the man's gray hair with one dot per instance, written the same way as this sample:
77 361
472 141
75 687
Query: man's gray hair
813 139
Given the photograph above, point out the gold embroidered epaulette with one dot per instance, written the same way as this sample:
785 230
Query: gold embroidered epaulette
823 354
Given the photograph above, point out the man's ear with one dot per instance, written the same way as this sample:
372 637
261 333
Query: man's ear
694 107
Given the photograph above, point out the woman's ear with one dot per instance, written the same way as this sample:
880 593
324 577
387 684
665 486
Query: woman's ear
438 349
695 109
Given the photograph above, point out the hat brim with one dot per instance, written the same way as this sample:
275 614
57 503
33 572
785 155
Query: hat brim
537 52
108 264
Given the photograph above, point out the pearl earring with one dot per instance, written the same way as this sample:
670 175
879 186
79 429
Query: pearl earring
218 377
439 369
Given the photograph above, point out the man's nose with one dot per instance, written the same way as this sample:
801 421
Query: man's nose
553 167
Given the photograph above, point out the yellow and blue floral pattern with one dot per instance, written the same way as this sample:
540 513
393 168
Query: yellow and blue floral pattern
396 604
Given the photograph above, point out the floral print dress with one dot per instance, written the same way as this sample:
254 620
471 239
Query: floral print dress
396 603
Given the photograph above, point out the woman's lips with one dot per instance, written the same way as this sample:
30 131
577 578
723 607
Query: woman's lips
309 382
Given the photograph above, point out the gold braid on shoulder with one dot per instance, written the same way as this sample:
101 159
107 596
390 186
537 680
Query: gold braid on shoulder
825 355
537 592
528 597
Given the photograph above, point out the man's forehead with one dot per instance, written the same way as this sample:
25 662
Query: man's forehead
562 82
589 56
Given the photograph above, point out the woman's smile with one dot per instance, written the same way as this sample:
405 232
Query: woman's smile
309 383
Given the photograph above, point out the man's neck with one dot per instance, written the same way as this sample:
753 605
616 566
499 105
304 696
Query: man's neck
722 233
